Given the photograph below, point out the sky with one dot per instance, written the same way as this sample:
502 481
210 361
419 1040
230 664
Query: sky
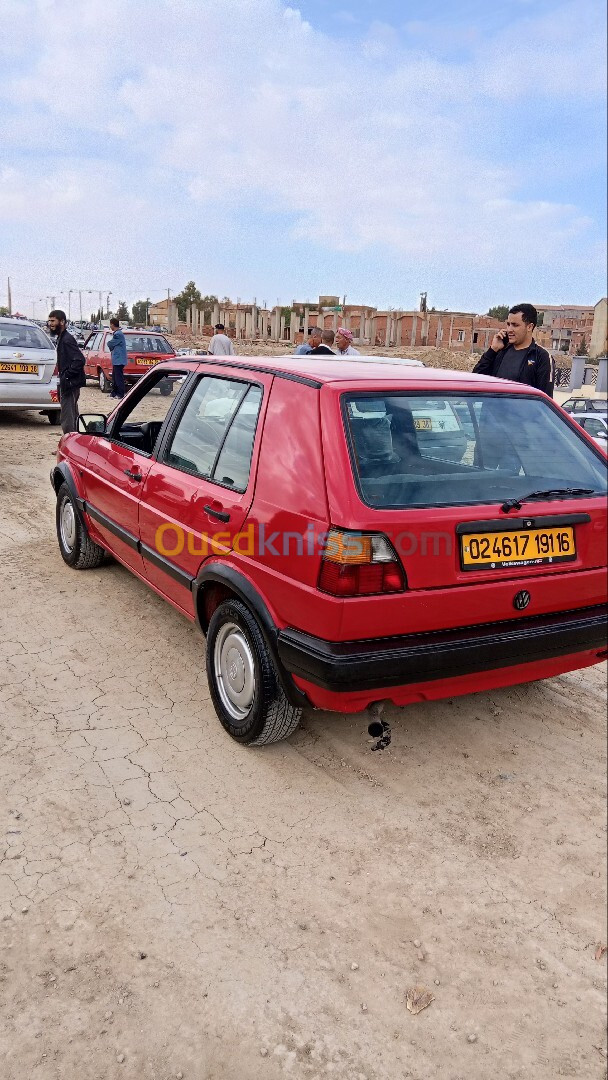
372 149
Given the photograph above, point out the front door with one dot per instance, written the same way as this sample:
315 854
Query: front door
117 467
197 495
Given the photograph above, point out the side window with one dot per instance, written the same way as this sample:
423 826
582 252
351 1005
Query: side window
205 443
233 464
594 427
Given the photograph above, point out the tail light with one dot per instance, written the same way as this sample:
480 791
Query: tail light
360 564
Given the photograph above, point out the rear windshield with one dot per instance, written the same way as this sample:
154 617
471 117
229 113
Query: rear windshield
148 343
23 337
414 450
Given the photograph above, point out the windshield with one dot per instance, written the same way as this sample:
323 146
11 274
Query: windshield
15 336
414 450
148 343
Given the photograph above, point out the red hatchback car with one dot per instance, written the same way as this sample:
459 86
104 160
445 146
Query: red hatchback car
345 531
144 351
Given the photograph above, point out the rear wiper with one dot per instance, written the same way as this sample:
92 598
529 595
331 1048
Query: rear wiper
550 493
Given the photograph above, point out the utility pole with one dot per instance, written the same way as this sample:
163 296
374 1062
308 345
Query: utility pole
169 311
108 304
10 302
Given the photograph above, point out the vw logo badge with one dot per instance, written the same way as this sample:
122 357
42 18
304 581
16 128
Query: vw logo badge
521 600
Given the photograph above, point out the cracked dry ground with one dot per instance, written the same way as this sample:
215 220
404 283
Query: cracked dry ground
468 857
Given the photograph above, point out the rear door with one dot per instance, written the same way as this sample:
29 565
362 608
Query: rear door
197 495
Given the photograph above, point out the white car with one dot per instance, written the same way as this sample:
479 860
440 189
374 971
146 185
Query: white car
28 369
595 425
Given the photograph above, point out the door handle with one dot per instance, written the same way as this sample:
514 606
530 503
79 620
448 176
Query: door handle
133 475
216 513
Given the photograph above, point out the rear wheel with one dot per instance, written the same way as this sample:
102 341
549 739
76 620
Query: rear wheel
54 416
245 688
104 382
76 547
165 387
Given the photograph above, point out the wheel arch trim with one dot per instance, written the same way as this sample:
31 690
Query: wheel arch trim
222 574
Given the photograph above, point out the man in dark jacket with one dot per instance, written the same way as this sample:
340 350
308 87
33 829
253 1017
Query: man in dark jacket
70 362
515 355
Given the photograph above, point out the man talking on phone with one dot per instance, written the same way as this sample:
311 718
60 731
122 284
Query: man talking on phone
515 355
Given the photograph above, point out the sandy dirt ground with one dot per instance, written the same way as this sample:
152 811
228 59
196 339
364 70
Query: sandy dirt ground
173 905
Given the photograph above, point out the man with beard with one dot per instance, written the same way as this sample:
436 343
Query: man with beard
70 363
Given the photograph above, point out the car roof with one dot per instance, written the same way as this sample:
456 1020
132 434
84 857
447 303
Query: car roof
323 370
592 414
8 320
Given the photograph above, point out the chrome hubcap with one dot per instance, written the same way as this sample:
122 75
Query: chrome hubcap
67 525
234 668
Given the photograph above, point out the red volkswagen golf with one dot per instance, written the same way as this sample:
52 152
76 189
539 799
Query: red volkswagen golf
347 531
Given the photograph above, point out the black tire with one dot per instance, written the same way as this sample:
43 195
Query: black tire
54 416
165 387
104 383
76 547
264 715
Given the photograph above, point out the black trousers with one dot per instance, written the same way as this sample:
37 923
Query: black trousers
118 380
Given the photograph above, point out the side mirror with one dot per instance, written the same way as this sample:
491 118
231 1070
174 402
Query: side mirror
92 423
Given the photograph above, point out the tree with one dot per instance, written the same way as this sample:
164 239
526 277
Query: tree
207 305
188 296
583 349
4 311
499 312
122 313
140 312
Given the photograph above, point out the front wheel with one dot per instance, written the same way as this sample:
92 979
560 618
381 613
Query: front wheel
165 387
76 547
104 382
246 692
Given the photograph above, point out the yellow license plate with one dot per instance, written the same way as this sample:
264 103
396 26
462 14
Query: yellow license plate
525 547
423 423
148 363
19 369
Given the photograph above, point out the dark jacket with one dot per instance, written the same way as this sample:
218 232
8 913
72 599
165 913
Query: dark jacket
70 362
536 367
322 350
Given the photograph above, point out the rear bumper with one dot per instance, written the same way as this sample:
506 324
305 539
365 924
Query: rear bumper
29 395
353 666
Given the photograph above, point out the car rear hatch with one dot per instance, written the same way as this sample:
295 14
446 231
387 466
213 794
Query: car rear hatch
444 476
26 355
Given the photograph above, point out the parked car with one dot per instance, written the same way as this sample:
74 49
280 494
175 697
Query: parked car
295 509
595 425
28 369
585 405
144 350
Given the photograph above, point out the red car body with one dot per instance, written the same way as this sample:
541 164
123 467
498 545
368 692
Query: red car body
145 349
436 629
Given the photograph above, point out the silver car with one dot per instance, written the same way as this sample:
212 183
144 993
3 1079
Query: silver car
28 375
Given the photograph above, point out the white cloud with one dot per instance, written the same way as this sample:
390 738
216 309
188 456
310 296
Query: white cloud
239 105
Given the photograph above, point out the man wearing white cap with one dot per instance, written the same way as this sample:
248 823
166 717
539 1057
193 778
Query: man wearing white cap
344 341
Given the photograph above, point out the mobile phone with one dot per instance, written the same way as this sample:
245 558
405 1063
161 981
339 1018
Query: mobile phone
505 338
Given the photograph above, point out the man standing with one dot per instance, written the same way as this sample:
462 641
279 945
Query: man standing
324 348
306 347
514 353
221 344
70 363
344 341
117 345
